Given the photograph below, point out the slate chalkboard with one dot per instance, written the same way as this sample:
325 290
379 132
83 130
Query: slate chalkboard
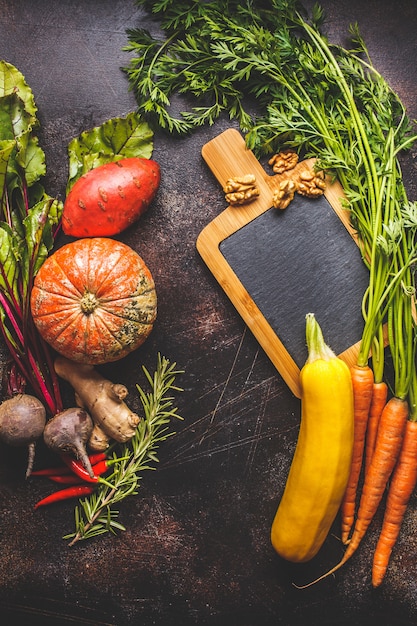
298 261
278 265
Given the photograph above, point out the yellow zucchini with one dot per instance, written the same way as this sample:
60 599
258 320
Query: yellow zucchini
321 464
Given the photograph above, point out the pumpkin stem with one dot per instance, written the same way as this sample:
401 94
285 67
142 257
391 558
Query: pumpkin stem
88 302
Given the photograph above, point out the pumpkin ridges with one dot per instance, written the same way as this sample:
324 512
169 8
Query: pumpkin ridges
96 325
94 321
120 309
125 265
98 273
57 323
119 331
58 274
112 308
114 325
103 272
88 326
66 303
58 305
79 269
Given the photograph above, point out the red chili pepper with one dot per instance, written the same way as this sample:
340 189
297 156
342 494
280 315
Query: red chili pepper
64 494
101 468
97 457
67 479
64 469
78 468
98 468
72 479
52 471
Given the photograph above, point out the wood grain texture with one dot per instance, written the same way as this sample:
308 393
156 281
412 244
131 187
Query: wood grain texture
227 157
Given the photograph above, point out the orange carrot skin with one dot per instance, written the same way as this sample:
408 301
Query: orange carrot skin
387 449
379 399
388 444
362 383
402 485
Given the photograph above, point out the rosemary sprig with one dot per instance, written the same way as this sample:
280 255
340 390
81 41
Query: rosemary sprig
95 514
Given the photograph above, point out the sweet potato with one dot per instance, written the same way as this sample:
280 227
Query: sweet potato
110 198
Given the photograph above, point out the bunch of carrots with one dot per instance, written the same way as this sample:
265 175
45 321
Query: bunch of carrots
385 446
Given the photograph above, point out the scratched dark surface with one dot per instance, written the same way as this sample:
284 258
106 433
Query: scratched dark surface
196 547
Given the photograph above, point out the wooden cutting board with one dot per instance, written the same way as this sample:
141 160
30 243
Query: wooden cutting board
278 265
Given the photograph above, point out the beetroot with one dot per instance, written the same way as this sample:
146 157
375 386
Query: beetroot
110 198
68 432
22 422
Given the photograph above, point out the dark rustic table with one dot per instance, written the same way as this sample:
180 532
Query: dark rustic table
196 548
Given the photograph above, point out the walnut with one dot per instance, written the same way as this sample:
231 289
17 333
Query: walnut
311 184
285 160
241 189
284 194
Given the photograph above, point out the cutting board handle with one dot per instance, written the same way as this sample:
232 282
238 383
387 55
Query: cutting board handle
228 157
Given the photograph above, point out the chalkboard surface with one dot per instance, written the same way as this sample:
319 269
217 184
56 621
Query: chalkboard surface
298 261
278 265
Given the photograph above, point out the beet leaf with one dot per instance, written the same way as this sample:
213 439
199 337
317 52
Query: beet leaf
30 219
115 139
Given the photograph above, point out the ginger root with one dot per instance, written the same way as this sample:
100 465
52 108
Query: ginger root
103 400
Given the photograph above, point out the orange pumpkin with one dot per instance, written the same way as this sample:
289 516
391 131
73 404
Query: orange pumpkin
94 300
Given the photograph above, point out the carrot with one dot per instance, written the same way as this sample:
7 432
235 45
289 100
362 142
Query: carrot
362 382
387 448
401 487
379 399
388 444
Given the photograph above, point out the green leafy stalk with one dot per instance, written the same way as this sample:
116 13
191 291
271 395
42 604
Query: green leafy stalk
96 515
402 318
310 95
29 223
